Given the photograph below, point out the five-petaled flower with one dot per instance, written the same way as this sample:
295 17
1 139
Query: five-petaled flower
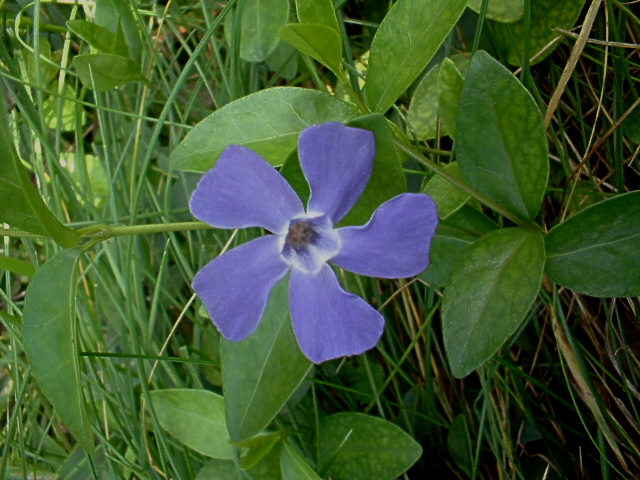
243 190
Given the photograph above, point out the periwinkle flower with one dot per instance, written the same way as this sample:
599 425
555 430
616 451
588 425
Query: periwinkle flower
243 190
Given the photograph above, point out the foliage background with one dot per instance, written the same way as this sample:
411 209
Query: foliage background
559 400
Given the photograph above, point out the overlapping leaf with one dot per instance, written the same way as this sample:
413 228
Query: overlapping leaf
490 291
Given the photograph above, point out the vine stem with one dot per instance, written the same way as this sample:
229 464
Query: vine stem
463 186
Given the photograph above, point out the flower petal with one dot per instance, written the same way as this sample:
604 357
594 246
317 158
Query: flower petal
329 322
243 190
235 286
337 161
395 242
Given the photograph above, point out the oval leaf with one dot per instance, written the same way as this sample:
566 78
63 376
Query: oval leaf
446 248
406 41
596 252
489 294
268 122
263 371
500 141
195 418
22 205
261 20
318 41
355 446
103 71
49 329
450 85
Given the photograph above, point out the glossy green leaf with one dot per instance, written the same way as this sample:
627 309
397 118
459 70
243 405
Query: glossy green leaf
490 291
318 41
263 371
546 15
355 446
448 197
18 266
284 61
293 466
319 12
22 205
268 122
103 71
405 42
118 16
50 341
500 10
597 251
450 85
99 37
261 20
195 418
446 249
501 143
267 469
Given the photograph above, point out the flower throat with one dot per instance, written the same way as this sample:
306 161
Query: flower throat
301 234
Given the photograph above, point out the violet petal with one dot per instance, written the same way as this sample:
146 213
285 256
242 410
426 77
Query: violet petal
243 190
235 286
337 161
395 242
329 322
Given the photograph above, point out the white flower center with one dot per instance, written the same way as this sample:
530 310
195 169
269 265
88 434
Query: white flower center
309 243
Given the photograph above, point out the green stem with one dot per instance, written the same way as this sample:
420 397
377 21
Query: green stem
463 186
104 232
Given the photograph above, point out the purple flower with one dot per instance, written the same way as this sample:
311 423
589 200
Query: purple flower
243 190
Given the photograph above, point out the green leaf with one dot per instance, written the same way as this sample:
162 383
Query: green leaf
263 371
64 108
546 15
596 252
50 341
355 446
450 85
104 71
261 20
118 16
318 41
490 291
259 447
219 470
501 10
18 266
37 65
22 206
268 122
195 418
387 178
317 11
447 247
100 38
405 42
423 112
293 466
501 143
448 197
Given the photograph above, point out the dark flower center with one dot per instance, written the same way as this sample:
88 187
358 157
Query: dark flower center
301 234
